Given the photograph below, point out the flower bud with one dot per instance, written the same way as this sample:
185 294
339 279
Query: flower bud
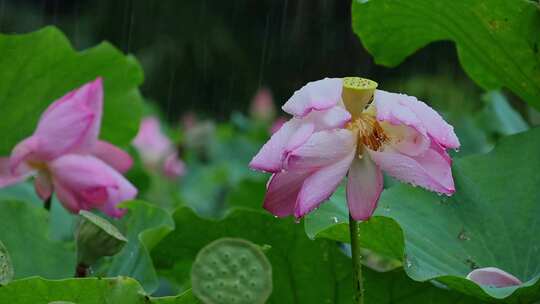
96 238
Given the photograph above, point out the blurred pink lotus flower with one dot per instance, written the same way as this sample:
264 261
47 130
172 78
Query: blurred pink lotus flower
492 276
332 135
65 155
277 124
189 120
156 150
262 106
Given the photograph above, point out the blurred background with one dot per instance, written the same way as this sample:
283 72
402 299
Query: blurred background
211 57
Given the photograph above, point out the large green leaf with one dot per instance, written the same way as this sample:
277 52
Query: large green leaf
492 220
41 66
120 290
61 221
24 232
395 287
499 117
381 288
331 221
144 225
497 40
304 271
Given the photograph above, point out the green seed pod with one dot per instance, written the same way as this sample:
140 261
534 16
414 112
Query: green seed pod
231 271
6 268
96 238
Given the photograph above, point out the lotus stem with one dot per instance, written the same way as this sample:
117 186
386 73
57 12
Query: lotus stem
358 285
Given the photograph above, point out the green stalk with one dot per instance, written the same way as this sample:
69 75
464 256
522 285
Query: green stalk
358 285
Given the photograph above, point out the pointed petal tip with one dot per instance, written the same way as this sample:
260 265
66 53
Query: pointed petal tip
493 276
96 84
259 165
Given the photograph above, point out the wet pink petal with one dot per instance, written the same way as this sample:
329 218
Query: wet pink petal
43 185
320 185
173 167
406 140
291 135
113 156
322 149
403 109
430 170
336 117
295 133
283 188
438 128
71 124
84 182
317 95
152 144
364 187
492 276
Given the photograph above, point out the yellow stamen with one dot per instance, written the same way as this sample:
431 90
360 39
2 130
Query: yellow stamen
37 165
370 133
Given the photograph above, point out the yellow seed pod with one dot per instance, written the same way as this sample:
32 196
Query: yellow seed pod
357 94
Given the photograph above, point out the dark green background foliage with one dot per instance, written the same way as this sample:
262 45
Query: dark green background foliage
211 56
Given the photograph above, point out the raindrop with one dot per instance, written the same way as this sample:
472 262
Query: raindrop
335 219
408 264
462 236
472 264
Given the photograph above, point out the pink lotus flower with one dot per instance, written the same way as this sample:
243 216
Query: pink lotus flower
262 106
65 155
492 276
344 127
156 150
